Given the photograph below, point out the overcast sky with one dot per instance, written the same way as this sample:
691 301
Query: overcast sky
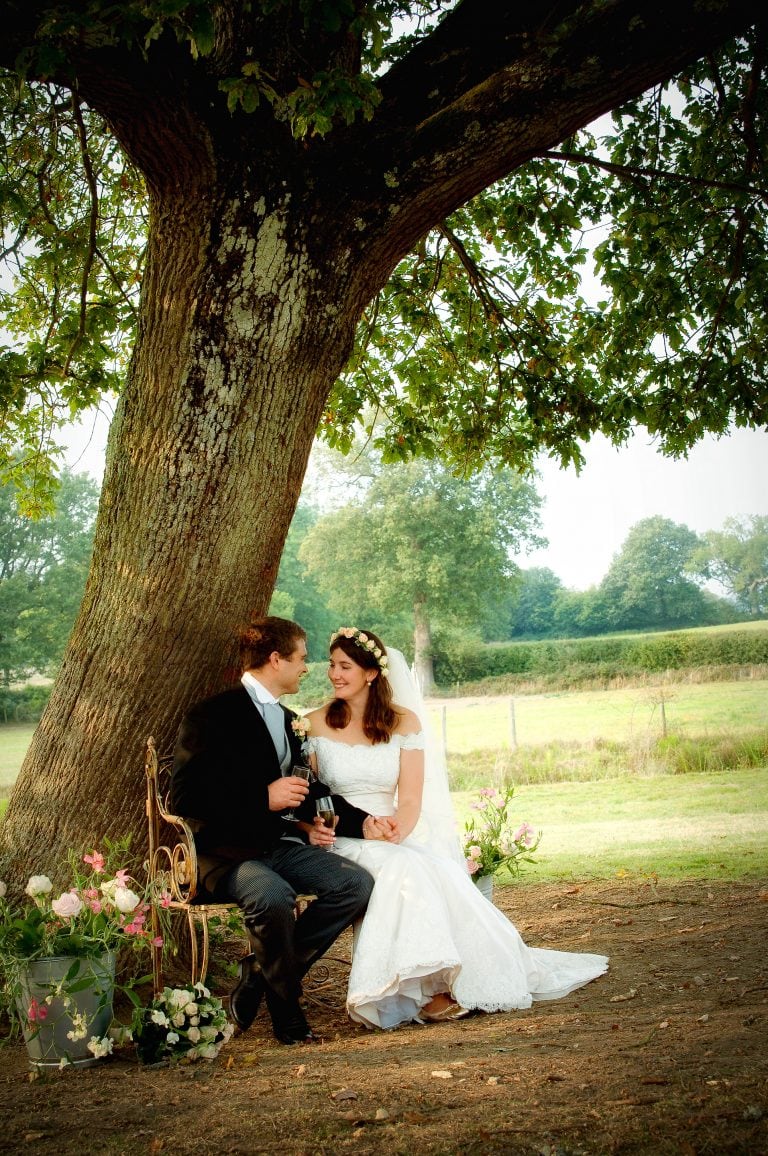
587 517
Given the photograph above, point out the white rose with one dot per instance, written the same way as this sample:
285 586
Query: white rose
99 1047
193 1034
159 1017
38 885
126 900
172 1037
67 906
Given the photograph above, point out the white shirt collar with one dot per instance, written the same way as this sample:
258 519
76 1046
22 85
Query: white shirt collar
257 689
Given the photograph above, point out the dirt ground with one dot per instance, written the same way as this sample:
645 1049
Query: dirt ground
668 1053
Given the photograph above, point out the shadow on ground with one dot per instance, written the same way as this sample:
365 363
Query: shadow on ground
664 1055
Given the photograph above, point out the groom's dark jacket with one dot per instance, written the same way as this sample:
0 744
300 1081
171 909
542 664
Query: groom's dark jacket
223 764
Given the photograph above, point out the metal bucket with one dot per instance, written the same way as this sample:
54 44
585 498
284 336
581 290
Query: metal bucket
64 996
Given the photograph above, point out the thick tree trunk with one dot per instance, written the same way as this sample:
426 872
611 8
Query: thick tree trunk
237 353
422 648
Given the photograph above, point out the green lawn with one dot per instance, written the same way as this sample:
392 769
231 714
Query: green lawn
698 826
14 740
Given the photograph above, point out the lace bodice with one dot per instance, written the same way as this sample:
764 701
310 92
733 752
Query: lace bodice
365 775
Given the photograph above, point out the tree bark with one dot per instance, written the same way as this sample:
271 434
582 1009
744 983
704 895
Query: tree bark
204 467
423 660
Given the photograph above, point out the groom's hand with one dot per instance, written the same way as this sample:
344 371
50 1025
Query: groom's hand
288 791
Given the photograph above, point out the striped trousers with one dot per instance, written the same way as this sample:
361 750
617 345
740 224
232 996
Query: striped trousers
266 888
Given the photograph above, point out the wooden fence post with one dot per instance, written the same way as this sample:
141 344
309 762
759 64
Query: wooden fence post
512 725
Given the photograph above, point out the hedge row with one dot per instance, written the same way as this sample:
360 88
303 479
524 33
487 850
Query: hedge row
24 704
629 655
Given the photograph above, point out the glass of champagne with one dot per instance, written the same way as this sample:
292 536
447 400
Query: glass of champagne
327 813
299 771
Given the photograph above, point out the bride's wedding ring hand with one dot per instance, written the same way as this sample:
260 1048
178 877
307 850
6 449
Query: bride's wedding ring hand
381 827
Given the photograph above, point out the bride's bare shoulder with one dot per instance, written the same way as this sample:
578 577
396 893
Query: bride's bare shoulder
408 722
316 719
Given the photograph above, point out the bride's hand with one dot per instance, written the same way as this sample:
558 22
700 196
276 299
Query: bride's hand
389 826
318 834
381 827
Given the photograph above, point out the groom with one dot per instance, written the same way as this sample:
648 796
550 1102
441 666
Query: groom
230 752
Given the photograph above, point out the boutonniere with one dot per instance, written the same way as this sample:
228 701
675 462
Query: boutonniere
301 728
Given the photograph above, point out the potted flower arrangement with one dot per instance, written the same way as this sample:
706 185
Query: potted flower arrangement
57 955
181 1024
490 842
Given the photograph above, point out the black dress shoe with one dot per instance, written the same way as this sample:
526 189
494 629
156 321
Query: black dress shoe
245 997
289 1024
295 1031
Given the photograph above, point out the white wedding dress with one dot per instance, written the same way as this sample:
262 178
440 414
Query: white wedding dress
427 927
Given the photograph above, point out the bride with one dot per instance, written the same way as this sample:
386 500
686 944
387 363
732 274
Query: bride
430 946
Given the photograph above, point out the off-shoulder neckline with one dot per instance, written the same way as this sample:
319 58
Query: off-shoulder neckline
366 746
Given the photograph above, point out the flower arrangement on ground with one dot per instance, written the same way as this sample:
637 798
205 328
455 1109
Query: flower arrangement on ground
82 928
490 842
182 1024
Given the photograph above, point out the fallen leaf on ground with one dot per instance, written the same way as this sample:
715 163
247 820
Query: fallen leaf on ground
344 1094
627 995
442 1075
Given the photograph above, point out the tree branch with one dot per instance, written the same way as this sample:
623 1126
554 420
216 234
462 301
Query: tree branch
494 86
93 225
653 173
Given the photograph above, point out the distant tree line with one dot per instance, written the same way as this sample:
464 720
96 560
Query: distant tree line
43 570
654 583
424 557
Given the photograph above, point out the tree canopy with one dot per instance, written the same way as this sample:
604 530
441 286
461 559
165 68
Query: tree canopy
737 557
486 343
424 546
43 569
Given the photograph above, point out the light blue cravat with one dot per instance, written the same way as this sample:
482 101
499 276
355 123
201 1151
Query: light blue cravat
275 720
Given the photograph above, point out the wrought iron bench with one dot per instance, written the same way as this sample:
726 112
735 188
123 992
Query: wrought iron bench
172 871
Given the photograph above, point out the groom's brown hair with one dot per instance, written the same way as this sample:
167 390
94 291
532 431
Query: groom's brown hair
263 636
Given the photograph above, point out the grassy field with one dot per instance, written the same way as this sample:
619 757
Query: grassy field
590 773
712 826
611 715
14 740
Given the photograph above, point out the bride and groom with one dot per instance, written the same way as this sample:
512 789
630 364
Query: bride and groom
428 945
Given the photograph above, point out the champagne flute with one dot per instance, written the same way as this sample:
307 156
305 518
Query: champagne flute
327 812
299 771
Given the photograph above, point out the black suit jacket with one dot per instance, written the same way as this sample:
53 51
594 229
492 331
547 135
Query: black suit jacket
223 764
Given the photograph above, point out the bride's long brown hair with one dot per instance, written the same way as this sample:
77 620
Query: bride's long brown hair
379 718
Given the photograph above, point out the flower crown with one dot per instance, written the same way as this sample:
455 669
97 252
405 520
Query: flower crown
365 643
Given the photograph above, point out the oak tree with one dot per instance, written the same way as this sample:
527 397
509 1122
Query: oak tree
308 179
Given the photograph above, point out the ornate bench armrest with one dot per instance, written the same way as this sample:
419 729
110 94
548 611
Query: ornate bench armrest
172 862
